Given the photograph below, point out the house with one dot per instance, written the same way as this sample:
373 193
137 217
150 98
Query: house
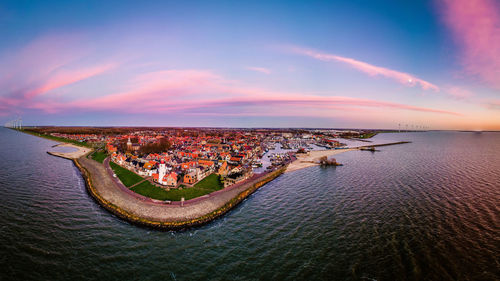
206 163
188 165
149 167
332 142
110 148
170 179
225 156
223 169
235 160
202 172
121 159
189 178
236 178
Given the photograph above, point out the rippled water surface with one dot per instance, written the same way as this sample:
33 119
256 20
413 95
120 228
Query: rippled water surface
429 210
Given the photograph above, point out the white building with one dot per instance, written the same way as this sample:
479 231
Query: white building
162 171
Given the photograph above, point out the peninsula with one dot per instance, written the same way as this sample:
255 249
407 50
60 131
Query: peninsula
174 178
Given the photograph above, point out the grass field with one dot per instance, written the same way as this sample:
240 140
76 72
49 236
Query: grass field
151 191
84 144
99 156
211 182
368 135
128 178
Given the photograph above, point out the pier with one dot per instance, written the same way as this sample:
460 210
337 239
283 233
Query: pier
382 144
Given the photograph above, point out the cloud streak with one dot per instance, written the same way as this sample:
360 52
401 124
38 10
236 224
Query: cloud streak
185 92
259 69
66 77
372 70
493 104
475 25
459 93
44 65
302 102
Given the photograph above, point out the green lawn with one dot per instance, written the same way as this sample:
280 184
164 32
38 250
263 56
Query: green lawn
57 138
127 177
368 135
151 191
99 156
211 182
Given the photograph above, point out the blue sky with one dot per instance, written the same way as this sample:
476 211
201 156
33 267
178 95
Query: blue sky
367 64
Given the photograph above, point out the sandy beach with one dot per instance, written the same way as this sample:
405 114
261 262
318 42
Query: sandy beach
308 160
71 155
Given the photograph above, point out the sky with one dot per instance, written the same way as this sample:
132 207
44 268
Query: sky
318 64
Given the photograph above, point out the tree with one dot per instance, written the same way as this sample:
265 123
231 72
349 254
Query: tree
158 147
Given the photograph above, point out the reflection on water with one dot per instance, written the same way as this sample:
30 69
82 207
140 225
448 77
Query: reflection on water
428 210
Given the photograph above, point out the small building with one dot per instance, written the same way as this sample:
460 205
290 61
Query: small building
170 179
189 178
223 169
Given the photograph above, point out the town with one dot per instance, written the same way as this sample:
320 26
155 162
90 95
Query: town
202 159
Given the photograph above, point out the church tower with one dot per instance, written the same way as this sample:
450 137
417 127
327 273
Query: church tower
129 144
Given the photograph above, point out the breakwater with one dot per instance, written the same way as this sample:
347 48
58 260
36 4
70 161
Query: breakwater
382 144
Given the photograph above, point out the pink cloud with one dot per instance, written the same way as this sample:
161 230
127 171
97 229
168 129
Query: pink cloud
259 69
41 56
185 91
159 87
43 65
335 102
459 93
475 25
66 77
372 70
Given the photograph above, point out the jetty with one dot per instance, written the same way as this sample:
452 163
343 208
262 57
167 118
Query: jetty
382 144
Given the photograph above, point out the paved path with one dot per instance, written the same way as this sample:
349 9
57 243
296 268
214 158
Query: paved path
137 183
